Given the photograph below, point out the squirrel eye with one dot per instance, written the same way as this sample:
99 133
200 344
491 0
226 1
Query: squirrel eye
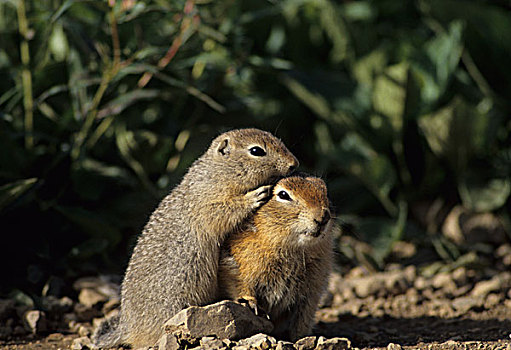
257 151
283 195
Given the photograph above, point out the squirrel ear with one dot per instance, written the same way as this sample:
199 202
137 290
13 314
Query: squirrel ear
224 147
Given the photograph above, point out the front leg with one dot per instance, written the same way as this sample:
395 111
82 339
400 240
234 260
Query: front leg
302 319
226 215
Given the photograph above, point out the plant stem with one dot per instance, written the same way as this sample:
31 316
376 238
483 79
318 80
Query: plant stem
179 40
26 76
106 78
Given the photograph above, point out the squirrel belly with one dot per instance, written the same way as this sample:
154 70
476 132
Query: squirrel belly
175 261
281 260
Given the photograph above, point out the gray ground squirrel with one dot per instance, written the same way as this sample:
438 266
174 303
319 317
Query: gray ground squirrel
175 261
281 260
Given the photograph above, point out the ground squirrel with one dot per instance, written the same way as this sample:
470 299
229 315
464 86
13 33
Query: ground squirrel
281 260
175 261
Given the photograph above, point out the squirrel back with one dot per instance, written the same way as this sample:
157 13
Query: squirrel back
282 259
175 261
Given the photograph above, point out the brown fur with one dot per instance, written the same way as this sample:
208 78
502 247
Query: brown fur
175 262
277 262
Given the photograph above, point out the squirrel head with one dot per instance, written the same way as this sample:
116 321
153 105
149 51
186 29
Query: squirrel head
298 212
252 156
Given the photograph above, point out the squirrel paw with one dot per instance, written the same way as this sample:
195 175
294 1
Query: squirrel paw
251 303
259 196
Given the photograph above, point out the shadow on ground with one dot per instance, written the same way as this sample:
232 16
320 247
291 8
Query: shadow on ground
379 332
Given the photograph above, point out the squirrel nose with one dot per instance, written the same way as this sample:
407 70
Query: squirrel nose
293 166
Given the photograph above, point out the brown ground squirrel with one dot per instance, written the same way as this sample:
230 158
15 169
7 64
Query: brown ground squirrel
175 261
281 260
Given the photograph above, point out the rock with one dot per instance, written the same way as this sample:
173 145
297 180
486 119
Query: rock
381 284
326 300
53 287
503 250
459 275
333 344
366 286
211 343
108 286
464 304
96 322
111 305
69 317
393 346
451 227
284 345
90 297
464 227
259 341
82 343
395 282
84 331
461 290
84 313
442 280
495 284
307 343
168 342
357 271
35 321
492 300
54 305
225 320
403 250
421 283
504 253
507 260
55 336
410 274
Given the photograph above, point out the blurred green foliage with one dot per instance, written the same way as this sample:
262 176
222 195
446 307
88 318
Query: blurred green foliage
104 104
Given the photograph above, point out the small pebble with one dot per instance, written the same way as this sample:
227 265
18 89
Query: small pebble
35 321
82 343
393 346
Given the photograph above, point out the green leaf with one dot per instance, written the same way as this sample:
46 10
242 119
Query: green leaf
125 100
359 10
487 35
445 51
320 91
456 132
368 67
12 191
395 95
372 169
484 196
58 43
276 39
436 65
89 248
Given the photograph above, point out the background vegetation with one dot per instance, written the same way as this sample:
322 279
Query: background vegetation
402 106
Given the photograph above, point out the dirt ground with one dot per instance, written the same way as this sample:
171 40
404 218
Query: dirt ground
445 307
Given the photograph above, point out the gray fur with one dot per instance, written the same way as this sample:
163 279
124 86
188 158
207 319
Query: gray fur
174 263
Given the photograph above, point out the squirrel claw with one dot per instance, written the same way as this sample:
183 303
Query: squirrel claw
251 303
259 196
